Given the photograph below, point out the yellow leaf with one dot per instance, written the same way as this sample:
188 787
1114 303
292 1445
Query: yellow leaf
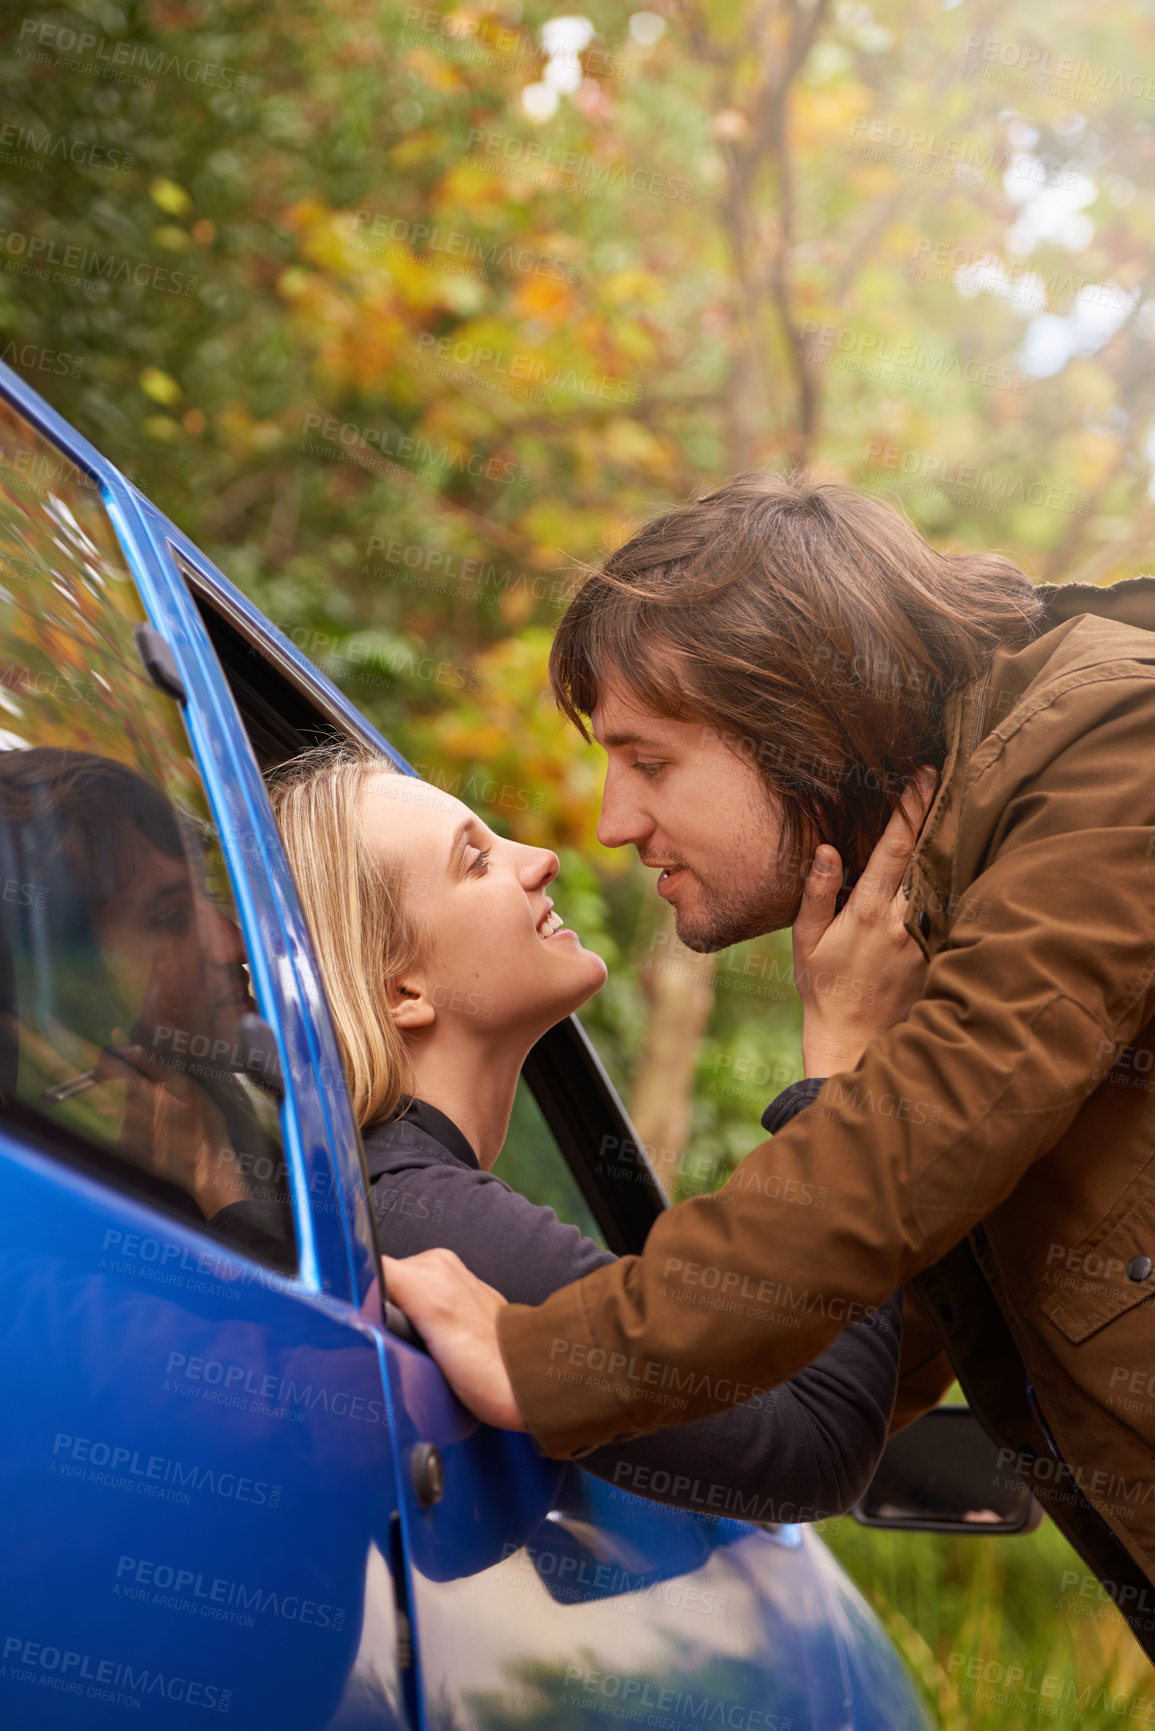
161 387
169 196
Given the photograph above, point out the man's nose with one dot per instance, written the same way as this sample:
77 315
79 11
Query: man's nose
621 820
221 935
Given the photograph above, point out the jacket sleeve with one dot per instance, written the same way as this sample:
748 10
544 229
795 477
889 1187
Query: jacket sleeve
798 1453
1021 1017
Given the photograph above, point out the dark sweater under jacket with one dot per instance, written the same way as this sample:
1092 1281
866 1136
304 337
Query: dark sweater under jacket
800 1452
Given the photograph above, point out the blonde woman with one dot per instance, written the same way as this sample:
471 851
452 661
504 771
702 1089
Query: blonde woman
445 961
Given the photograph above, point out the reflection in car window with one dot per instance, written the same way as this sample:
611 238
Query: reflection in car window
123 975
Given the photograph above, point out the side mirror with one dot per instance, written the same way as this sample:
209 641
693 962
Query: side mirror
941 1475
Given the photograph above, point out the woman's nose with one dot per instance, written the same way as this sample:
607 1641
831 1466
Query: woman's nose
540 868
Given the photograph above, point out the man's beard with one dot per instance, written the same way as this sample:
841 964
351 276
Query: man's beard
724 917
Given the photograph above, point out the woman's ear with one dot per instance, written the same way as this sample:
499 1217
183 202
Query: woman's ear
410 1006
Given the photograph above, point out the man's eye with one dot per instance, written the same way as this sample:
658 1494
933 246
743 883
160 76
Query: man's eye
175 925
649 770
479 865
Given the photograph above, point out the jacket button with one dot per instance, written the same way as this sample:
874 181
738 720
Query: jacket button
1139 1268
924 923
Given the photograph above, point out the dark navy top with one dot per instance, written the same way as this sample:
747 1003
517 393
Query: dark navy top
800 1452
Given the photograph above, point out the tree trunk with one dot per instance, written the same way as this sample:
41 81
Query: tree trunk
679 986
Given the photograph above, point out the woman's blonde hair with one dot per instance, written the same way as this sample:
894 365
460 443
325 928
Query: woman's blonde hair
362 931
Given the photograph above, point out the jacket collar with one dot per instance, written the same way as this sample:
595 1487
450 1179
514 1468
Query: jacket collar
927 879
971 713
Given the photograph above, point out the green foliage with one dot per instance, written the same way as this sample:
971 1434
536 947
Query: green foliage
967 1613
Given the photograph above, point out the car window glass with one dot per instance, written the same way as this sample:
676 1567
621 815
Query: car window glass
531 1162
124 980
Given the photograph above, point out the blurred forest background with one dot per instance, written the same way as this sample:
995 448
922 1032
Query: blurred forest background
409 314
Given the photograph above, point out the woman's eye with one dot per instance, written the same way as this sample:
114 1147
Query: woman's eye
480 863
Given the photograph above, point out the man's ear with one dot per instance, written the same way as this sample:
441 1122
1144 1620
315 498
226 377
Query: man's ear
410 1005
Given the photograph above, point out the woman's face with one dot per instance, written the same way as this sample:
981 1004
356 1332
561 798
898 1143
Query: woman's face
492 960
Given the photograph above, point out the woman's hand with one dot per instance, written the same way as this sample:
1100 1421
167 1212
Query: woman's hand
456 1315
859 972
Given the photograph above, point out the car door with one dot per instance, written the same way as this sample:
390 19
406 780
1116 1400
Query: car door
197 1476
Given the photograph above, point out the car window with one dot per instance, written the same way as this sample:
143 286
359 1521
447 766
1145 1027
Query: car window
124 981
281 719
532 1162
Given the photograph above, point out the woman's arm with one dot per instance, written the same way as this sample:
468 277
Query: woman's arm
804 1451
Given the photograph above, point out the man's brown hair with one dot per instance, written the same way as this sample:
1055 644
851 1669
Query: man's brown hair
811 627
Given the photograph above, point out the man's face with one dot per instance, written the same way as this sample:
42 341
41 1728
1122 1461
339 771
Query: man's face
700 813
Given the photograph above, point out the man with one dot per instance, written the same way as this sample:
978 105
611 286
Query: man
766 670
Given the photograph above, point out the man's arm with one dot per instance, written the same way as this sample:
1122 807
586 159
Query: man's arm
925 1137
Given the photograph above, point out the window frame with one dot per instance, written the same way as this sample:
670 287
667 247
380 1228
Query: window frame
336 1253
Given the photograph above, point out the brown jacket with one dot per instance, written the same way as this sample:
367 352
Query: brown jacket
996 1150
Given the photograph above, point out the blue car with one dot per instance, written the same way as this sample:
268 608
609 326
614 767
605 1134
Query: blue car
232 1482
